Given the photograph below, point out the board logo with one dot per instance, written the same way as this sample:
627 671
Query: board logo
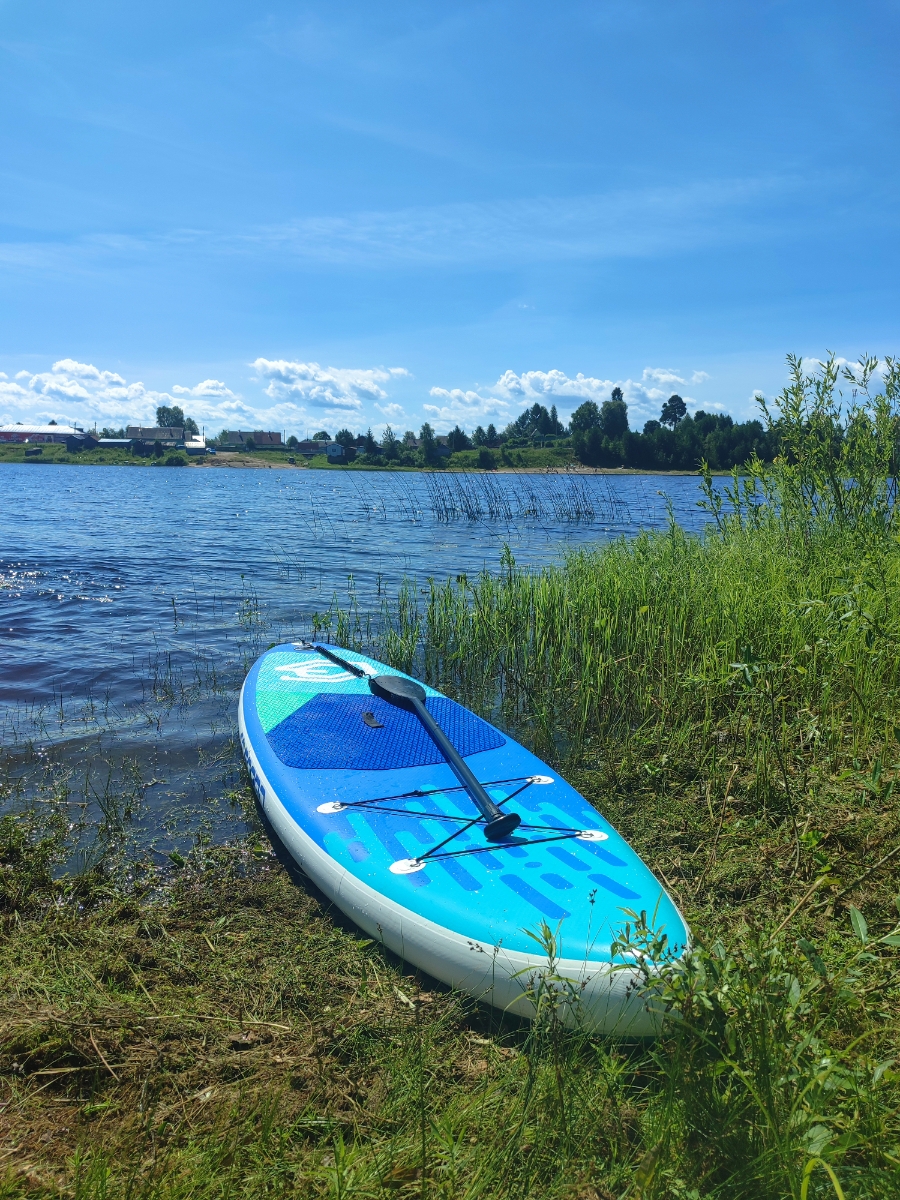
314 670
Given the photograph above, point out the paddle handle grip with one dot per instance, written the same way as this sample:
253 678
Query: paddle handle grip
457 763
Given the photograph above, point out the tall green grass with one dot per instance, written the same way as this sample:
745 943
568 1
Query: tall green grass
788 648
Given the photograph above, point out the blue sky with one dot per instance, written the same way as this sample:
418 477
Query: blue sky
308 215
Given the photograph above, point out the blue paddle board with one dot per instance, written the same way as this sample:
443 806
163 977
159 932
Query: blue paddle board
365 803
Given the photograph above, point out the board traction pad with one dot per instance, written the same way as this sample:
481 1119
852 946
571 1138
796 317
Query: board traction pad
329 733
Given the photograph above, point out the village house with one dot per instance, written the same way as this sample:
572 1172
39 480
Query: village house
168 438
70 436
244 439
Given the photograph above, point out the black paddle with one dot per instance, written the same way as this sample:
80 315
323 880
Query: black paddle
406 693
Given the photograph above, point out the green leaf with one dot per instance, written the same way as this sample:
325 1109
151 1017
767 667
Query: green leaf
881 1068
809 952
892 939
858 921
817 1139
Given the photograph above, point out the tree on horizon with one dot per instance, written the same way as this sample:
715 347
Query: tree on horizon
172 417
614 416
673 411
586 416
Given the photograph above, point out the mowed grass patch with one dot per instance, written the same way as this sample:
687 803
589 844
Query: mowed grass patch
233 1037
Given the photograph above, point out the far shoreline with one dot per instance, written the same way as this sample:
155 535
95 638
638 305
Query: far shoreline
228 460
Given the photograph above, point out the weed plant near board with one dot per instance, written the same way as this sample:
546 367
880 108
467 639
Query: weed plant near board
730 703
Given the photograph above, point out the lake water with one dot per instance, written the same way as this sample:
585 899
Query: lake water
133 601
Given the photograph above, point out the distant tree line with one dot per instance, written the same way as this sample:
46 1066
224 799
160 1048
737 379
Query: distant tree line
677 441
598 434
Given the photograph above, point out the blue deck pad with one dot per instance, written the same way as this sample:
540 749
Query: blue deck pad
319 750
329 732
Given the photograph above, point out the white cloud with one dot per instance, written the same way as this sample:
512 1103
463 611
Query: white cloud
295 395
68 366
72 392
661 375
59 386
644 397
335 389
209 387
546 387
881 367
391 411
459 407
12 391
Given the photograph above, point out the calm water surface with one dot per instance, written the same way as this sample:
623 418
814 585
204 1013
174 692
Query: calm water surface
133 601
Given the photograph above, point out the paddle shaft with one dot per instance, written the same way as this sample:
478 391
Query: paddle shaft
406 693
457 763
337 660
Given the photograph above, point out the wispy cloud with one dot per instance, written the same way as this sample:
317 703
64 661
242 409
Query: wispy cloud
615 224
618 224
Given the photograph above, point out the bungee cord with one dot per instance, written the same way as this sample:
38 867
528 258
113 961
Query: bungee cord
499 827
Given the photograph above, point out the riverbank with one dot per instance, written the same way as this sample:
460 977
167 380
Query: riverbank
730 713
532 462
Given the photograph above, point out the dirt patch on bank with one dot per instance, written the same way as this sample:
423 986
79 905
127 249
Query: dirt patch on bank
225 458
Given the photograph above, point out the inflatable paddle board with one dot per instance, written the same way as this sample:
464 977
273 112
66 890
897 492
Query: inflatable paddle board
443 838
